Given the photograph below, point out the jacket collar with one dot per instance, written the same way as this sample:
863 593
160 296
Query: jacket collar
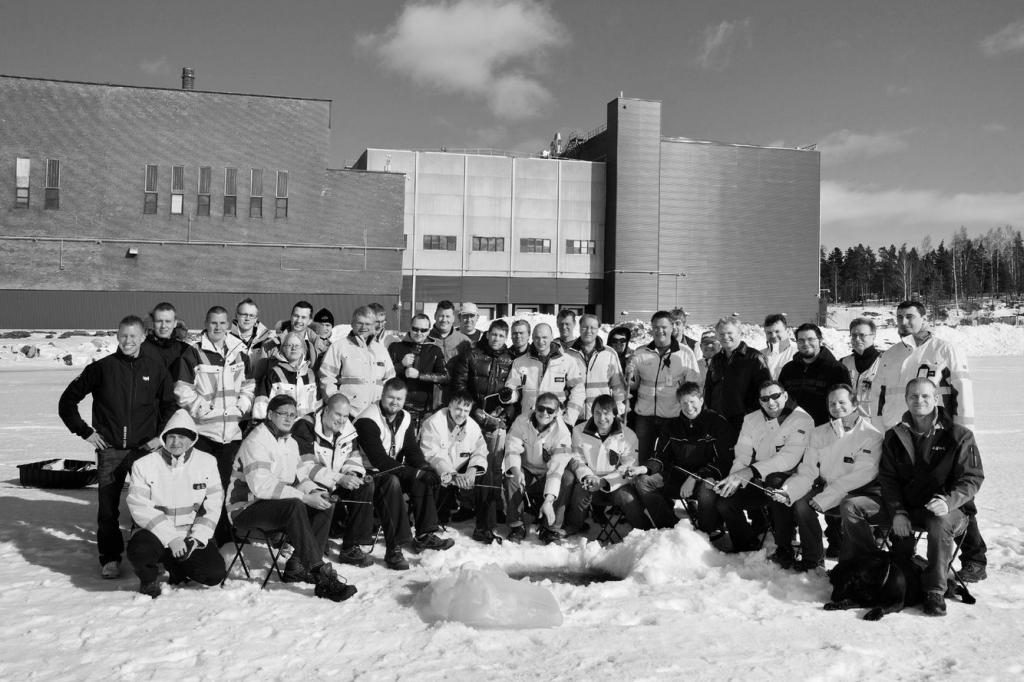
590 428
232 345
673 345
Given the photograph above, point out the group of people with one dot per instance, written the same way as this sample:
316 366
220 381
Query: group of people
284 429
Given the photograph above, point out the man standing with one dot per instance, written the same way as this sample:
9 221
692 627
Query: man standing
780 348
709 347
132 400
863 362
602 374
655 374
482 371
444 334
566 323
734 375
162 340
468 316
546 368
382 333
422 365
254 335
679 329
809 375
300 322
928 475
520 338
357 365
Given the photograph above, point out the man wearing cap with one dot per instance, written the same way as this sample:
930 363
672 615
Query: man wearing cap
468 316
323 325
175 499
709 345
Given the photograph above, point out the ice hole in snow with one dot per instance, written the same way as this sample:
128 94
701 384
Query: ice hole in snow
571 576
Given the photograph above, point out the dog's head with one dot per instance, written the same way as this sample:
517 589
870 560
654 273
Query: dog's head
860 579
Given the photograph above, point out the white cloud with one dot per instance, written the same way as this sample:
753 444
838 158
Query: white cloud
879 217
1010 38
494 50
848 145
720 42
155 67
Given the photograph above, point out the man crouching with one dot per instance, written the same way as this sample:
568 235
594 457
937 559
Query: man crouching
175 499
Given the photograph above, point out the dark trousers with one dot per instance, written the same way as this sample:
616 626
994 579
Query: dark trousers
647 430
800 515
224 453
515 497
146 552
306 528
357 506
112 467
973 549
483 498
658 494
747 498
421 486
624 497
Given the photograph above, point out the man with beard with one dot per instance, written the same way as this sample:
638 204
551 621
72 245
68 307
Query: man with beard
809 375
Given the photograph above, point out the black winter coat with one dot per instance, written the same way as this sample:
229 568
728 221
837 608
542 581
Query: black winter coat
808 383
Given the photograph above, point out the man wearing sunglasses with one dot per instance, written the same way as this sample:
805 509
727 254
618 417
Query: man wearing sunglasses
770 446
421 364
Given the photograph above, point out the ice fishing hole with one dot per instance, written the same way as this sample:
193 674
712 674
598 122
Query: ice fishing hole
569 576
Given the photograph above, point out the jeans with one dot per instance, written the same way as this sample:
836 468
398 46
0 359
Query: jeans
224 453
515 497
112 466
625 498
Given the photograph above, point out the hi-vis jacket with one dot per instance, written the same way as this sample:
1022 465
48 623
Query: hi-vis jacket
608 457
773 446
266 468
324 459
940 361
388 445
176 497
282 378
560 373
862 382
844 460
542 453
216 389
602 375
451 447
356 369
656 377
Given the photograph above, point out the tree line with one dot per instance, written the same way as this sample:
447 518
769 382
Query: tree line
965 269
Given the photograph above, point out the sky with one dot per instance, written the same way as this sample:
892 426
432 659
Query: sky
916 105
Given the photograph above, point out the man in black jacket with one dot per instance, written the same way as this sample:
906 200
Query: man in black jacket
734 376
162 340
132 399
811 373
928 476
421 364
482 370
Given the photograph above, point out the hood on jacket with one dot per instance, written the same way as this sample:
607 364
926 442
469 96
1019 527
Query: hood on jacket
181 421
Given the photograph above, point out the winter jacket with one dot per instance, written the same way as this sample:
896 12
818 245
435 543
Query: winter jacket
733 382
605 457
429 361
776 359
325 459
168 350
542 453
772 446
559 373
655 378
451 447
259 343
356 369
451 345
808 382
132 399
315 345
388 445
844 460
863 379
482 371
176 497
694 444
944 463
217 390
940 361
281 378
602 375
266 468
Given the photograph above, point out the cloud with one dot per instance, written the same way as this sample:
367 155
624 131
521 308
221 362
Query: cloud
720 42
155 67
844 145
1007 39
493 50
875 217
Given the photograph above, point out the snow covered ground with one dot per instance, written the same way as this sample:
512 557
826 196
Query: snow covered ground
682 609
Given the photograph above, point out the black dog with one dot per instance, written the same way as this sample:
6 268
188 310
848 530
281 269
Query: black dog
883 583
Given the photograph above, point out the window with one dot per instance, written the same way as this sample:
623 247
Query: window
21 186
533 245
256 193
177 190
151 199
580 246
438 242
203 198
281 202
51 192
488 243
230 191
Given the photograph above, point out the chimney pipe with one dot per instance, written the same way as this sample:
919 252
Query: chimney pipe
188 79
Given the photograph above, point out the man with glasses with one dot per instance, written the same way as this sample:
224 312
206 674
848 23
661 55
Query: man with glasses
863 362
602 373
770 446
809 375
537 453
468 316
422 365
268 493
357 365
734 373
254 335
780 349
519 336
382 333
679 328
546 368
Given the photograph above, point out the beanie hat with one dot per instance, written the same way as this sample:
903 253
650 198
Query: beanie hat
324 315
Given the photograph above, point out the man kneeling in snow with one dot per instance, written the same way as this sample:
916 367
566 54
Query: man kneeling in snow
175 499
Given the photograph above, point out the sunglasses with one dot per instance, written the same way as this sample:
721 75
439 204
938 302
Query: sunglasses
545 409
770 397
616 341
421 330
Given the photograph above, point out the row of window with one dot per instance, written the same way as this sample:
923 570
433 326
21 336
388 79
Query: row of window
439 242
23 189
151 195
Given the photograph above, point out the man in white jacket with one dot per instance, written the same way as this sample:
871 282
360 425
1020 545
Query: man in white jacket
842 457
175 499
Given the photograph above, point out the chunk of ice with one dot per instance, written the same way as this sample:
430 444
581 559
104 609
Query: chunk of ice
487 598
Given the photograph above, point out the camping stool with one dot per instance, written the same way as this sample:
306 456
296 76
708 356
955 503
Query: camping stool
610 517
884 536
272 539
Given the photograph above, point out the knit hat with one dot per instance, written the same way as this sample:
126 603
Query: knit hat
324 315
